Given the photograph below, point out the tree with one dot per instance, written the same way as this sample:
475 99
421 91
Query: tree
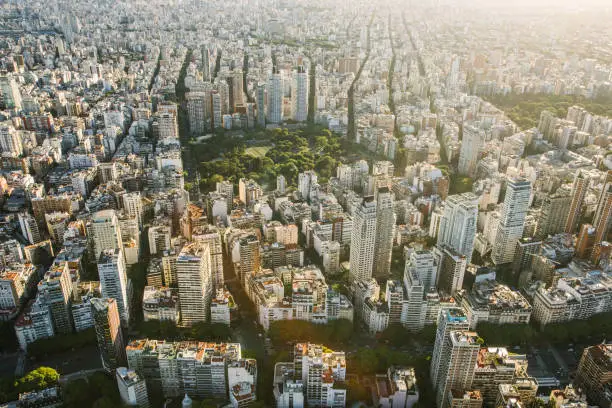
38 379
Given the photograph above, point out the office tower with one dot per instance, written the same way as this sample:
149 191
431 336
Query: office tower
29 228
261 104
451 270
11 96
206 60
363 240
385 232
423 263
10 140
250 258
108 333
132 205
458 365
458 224
216 109
275 97
603 216
299 95
449 319
194 283
306 181
103 232
526 248
56 290
594 374
132 388
579 190
113 280
472 143
512 220
210 235
319 368
554 213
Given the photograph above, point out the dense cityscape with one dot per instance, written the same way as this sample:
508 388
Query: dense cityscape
272 203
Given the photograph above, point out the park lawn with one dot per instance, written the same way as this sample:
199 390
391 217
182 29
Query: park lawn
257 151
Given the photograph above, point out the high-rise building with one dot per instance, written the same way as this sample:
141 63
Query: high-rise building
526 248
250 258
363 240
472 143
306 181
29 228
261 104
57 224
554 213
194 283
10 140
216 109
11 96
579 190
113 280
108 333
56 290
132 205
456 373
449 319
167 126
299 94
512 220
603 216
103 232
198 110
423 263
413 307
319 369
159 238
249 191
458 224
275 97
210 235
451 270
132 388
385 232
594 374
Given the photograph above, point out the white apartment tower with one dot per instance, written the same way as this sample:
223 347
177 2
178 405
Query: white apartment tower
113 280
103 232
299 95
194 283
449 319
512 220
363 239
132 205
385 227
458 224
275 98
10 140
472 143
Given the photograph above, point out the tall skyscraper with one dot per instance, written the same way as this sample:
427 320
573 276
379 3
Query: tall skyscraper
299 95
261 104
198 110
168 126
512 221
250 258
306 181
107 325
579 190
363 240
472 143
216 109
385 228
554 213
449 319
194 282
451 270
423 263
594 374
603 213
56 290
458 366
132 388
103 232
206 60
113 280
458 224
275 97
11 96
210 235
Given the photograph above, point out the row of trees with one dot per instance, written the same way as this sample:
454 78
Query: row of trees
35 380
202 331
99 390
61 343
336 332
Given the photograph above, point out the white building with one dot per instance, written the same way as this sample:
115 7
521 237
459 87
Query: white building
193 271
299 95
113 280
471 145
458 224
385 230
363 240
512 222
220 307
132 388
275 98
103 232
